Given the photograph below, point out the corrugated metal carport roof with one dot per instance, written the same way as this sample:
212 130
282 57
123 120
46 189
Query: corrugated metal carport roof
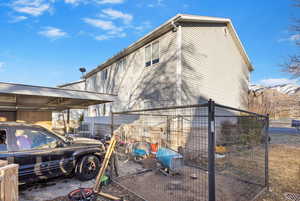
20 96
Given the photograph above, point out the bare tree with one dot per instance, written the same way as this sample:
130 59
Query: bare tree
262 103
292 66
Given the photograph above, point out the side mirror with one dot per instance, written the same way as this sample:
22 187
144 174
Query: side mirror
59 144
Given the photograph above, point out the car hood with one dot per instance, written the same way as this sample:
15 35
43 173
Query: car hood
83 140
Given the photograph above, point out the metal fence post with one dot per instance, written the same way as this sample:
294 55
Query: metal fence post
211 152
112 124
267 153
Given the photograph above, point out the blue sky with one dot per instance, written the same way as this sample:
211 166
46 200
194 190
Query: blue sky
44 42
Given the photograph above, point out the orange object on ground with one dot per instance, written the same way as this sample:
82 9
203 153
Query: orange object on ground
154 148
221 149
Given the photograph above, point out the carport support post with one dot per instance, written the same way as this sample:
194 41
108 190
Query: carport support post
211 151
68 120
267 152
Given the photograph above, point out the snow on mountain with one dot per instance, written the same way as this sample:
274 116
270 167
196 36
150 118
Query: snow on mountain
289 89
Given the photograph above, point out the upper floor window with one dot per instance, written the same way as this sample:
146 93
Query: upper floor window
104 74
155 52
152 53
92 83
148 55
121 65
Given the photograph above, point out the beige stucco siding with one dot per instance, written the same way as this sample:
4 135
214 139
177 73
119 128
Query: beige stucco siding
138 86
212 66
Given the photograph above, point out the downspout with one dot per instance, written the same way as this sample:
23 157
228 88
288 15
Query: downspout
178 30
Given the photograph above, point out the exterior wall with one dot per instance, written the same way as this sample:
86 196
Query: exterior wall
8 116
198 62
212 66
43 118
138 86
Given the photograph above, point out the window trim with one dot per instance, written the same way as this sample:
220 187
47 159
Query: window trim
94 82
157 41
120 67
145 61
104 78
151 54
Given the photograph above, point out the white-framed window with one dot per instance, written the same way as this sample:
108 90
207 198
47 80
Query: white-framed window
148 55
92 83
152 54
121 65
155 52
104 74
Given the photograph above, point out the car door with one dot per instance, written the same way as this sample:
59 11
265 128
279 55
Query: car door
10 152
5 154
62 158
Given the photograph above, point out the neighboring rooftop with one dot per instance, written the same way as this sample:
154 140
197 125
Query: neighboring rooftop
166 27
70 83
19 96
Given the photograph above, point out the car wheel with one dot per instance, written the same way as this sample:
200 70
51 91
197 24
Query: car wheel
87 167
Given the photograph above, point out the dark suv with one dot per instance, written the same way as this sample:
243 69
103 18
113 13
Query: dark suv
42 154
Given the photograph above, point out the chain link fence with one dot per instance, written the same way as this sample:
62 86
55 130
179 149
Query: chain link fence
204 152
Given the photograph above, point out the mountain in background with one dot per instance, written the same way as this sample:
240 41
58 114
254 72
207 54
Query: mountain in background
280 101
289 89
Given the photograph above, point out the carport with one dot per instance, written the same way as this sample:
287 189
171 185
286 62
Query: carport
19 102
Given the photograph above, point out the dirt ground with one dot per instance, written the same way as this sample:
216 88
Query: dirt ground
155 186
284 167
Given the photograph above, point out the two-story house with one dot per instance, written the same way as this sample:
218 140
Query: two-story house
188 59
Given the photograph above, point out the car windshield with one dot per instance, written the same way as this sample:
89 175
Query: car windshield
57 134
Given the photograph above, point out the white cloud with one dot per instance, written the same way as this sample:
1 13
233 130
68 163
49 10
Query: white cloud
295 37
52 32
18 19
156 4
111 30
143 26
1 65
277 81
31 7
77 2
102 24
115 14
292 38
109 1
110 36
185 6
74 2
